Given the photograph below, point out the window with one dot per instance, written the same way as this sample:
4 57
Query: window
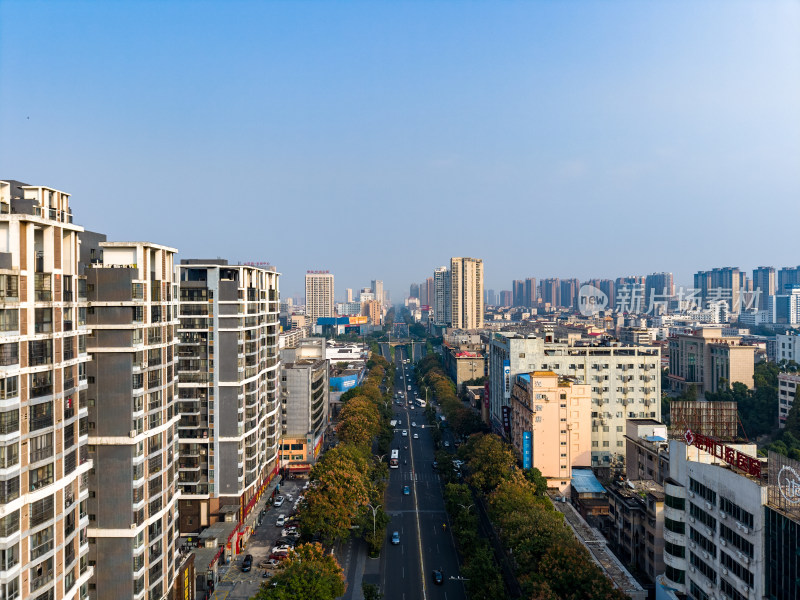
736 567
675 575
702 491
736 511
674 526
675 502
702 516
703 541
703 567
735 540
40 477
675 550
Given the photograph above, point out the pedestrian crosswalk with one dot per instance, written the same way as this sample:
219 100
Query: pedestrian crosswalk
414 476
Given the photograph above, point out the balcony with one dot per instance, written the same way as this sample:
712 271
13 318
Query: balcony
41 422
41 453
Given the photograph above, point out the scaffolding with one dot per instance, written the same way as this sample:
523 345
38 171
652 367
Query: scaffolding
715 419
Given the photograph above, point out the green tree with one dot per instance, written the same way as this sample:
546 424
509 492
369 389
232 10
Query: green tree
490 461
371 591
539 482
484 579
310 573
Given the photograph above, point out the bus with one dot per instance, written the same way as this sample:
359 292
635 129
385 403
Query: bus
394 461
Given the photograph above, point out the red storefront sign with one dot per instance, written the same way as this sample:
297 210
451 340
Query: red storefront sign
743 462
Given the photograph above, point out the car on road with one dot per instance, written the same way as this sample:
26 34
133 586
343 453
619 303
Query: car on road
446 444
435 465
247 563
395 538
278 501
413 423
416 436
406 490
438 578
280 521
405 433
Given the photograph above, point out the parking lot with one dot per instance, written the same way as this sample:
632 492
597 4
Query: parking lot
233 583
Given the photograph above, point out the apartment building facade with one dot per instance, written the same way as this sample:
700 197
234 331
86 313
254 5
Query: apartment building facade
466 293
44 460
551 425
441 297
304 403
228 388
787 394
319 295
625 383
133 418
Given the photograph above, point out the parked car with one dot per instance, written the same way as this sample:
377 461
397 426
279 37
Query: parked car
278 501
395 538
247 563
280 521
279 556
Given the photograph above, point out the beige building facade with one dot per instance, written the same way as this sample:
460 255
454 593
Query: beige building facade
319 295
557 413
707 360
466 293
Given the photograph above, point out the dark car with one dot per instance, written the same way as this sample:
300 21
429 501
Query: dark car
247 563
438 578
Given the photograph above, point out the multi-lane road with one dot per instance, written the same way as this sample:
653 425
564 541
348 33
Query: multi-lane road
426 544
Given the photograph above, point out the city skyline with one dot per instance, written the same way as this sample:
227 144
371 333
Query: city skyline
641 118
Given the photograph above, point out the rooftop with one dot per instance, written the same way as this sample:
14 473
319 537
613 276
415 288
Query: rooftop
584 482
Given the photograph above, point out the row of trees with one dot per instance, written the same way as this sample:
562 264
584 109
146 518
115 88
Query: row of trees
346 493
549 563
431 375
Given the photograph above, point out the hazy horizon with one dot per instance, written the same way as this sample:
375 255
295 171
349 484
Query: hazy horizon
377 140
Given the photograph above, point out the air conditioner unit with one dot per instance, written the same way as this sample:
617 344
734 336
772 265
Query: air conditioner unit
723 542
746 560
691 569
708 531
723 515
132 433
724 571
133 525
692 545
746 529
705 554
691 519
691 494
708 505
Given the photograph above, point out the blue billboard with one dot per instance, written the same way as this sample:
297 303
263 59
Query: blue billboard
527 450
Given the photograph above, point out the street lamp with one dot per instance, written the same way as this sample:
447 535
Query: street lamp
374 512
466 507
380 458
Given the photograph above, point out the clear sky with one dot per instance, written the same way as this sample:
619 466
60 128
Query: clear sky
377 139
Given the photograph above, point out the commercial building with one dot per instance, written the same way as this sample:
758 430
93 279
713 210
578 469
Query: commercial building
787 393
304 403
319 295
441 297
714 519
466 293
44 486
228 386
133 418
709 361
463 365
782 529
636 336
551 425
625 383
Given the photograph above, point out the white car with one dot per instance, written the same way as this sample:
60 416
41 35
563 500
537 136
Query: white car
413 423
405 433
447 444
280 521
416 436
278 501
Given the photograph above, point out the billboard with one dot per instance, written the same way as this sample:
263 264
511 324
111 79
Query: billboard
527 450
507 419
507 379
359 320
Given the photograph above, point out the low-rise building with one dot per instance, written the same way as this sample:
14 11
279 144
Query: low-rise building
636 517
588 495
787 391
647 450
463 365
551 425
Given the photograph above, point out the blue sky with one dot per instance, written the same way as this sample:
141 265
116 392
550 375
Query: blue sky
377 139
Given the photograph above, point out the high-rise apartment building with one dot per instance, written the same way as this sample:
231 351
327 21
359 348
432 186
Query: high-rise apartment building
569 293
377 289
551 291
372 310
44 422
228 388
466 293
607 287
504 298
319 295
518 292
722 284
764 283
133 419
530 292
490 298
427 292
349 295
441 297
659 290
625 383
413 291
